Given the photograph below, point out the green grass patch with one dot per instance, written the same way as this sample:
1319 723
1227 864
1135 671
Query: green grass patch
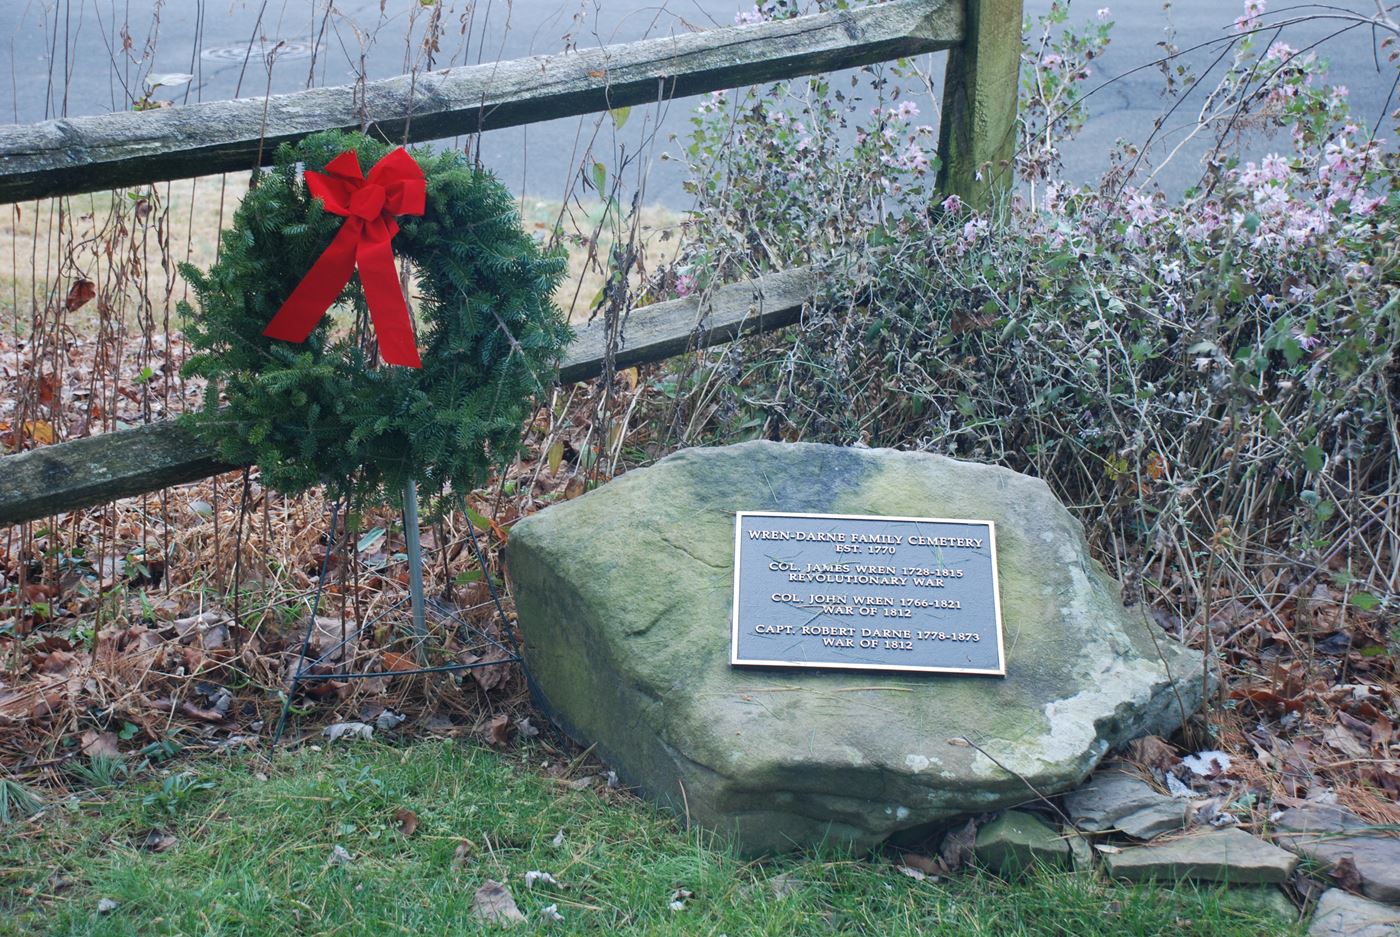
251 844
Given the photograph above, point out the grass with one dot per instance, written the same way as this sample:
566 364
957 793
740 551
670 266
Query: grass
251 843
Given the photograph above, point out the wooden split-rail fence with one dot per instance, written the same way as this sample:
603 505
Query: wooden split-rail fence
86 154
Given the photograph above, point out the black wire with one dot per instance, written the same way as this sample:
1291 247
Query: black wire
464 626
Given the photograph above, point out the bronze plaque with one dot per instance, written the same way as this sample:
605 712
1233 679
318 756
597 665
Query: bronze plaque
861 592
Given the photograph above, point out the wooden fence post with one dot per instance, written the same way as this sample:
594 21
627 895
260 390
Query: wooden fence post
977 130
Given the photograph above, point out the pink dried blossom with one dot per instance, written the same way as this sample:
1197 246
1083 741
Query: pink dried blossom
1253 9
911 159
1271 199
1204 222
1366 206
713 103
1140 210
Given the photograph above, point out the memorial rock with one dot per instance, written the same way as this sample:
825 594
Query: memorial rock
625 598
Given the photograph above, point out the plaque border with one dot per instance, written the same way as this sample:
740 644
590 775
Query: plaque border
736 661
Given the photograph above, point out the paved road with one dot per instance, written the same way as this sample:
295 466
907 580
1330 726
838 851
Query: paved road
84 39
1127 106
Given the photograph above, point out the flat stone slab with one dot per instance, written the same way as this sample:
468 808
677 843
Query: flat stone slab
1340 914
1110 796
1329 833
1168 816
1017 841
624 598
1228 855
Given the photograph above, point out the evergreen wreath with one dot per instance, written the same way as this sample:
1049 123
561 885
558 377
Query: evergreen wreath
321 412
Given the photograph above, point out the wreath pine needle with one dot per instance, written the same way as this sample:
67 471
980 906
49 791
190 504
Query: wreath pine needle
325 411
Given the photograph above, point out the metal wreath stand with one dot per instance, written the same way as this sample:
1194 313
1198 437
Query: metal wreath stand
420 609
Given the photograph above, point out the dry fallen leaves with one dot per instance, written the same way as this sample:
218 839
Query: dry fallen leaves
405 821
100 744
201 713
956 850
925 864
40 431
463 853
333 639
60 663
499 730
1152 751
1343 741
495 904
157 841
1346 875
398 662
81 293
489 676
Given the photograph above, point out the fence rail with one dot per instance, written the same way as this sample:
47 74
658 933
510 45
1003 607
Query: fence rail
92 153
89 471
85 154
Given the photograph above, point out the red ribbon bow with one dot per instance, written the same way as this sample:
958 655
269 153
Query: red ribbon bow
395 186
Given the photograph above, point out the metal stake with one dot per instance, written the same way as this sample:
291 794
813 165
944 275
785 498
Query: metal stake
415 568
